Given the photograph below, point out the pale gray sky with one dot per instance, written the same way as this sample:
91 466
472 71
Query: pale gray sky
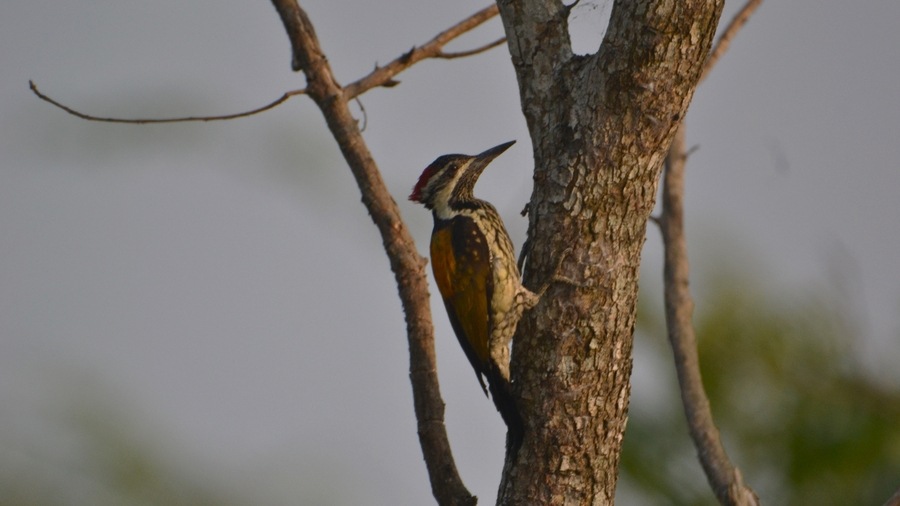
222 283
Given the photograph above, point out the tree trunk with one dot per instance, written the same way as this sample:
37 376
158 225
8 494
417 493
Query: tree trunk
601 125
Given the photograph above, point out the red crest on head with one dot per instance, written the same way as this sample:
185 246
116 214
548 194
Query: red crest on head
431 170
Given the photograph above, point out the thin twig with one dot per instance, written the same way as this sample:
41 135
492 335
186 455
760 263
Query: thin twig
724 41
724 478
144 121
431 49
365 117
471 52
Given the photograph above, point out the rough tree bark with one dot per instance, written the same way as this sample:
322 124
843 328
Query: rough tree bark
601 126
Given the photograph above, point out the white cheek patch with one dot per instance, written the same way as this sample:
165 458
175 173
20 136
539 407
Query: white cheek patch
442 197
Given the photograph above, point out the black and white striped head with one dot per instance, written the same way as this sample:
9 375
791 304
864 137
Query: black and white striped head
450 179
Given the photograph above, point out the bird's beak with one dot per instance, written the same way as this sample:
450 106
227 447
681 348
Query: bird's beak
485 158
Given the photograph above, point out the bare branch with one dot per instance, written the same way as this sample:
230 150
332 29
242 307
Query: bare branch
737 22
382 76
144 121
406 263
724 478
471 52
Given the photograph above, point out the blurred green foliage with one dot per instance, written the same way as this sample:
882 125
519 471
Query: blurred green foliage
795 408
90 456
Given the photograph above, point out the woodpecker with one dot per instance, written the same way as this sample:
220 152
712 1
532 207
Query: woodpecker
475 269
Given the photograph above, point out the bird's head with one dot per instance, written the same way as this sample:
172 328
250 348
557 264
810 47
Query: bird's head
450 179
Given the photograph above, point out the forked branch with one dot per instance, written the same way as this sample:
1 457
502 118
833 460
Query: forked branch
381 76
384 76
407 265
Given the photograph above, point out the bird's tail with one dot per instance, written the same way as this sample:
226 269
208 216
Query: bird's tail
501 394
